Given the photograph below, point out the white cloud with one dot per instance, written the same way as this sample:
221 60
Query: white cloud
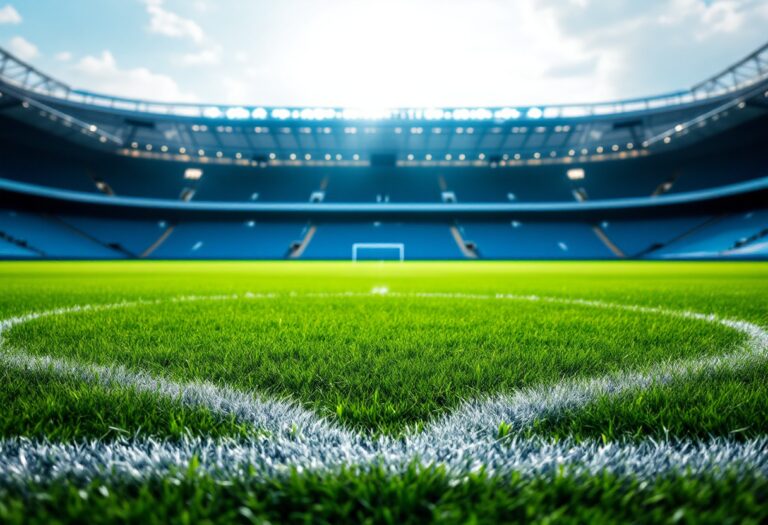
23 48
167 23
9 15
102 74
706 19
63 56
204 57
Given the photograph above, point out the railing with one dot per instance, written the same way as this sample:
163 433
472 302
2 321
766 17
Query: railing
747 72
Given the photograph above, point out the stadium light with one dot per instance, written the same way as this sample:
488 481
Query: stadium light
193 173
212 112
534 113
281 113
259 114
575 173
238 113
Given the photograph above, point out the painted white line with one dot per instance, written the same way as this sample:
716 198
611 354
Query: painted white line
462 441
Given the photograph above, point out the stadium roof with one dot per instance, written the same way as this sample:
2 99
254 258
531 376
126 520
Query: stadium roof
511 135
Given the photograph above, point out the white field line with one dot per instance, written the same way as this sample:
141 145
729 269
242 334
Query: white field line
463 441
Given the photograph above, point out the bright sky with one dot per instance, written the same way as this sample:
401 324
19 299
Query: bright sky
382 53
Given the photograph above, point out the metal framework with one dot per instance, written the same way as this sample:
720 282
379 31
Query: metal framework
750 70
744 73
17 72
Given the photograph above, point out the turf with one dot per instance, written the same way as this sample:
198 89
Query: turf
381 364
374 363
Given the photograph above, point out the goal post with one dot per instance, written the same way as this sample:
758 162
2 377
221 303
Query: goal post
378 247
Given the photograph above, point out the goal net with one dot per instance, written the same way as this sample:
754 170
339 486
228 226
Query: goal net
378 251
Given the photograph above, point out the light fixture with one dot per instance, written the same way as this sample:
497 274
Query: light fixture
534 113
193 173
575 173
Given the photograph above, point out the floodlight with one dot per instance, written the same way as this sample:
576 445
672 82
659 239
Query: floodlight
238 113
193 173
534 113
212 112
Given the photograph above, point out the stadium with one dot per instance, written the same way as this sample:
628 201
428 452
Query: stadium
681 175
216 313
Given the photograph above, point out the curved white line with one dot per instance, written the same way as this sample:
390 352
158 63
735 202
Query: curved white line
462 441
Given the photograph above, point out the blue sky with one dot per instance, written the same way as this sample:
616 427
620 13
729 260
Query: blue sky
366 53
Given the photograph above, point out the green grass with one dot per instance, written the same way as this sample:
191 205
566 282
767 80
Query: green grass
379 364
374 363
418 496
42 404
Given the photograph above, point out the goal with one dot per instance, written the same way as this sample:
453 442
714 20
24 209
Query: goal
378 251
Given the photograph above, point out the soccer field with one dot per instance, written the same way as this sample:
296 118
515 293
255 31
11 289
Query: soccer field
383 392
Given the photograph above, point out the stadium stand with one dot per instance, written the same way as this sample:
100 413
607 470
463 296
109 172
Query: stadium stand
85 175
